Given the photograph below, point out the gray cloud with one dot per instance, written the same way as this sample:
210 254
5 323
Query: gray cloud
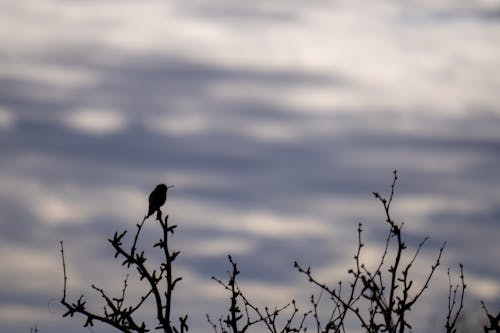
266 133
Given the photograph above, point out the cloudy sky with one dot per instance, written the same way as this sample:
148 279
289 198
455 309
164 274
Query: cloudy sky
275 120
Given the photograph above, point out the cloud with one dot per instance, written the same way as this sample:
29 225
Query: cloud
95 122
274 120
18 314
485 289
7 118
182 123
218 247
59 203
60 76
256 222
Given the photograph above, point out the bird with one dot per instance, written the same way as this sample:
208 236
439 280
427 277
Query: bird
157 199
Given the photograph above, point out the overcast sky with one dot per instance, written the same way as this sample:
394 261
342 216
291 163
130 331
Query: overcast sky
275 121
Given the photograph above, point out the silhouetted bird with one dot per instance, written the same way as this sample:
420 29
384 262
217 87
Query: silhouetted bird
156 199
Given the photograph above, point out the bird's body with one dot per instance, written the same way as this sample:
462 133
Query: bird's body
157 199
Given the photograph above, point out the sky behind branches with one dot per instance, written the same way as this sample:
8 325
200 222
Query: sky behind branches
275 120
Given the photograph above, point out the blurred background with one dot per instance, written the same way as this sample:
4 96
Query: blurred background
275 121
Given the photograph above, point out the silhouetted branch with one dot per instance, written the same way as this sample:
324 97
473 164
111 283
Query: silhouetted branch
238 320
494 321
453 293
139 228
388 298
378 299
115 312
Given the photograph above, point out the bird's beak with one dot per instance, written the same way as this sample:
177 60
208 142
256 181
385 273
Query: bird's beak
170 186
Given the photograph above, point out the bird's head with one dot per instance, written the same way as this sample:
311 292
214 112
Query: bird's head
163 187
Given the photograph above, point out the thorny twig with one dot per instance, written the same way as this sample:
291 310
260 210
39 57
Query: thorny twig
388 297
238 321
494 321
453 312
115 312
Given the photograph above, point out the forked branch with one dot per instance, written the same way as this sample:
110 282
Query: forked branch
115 311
